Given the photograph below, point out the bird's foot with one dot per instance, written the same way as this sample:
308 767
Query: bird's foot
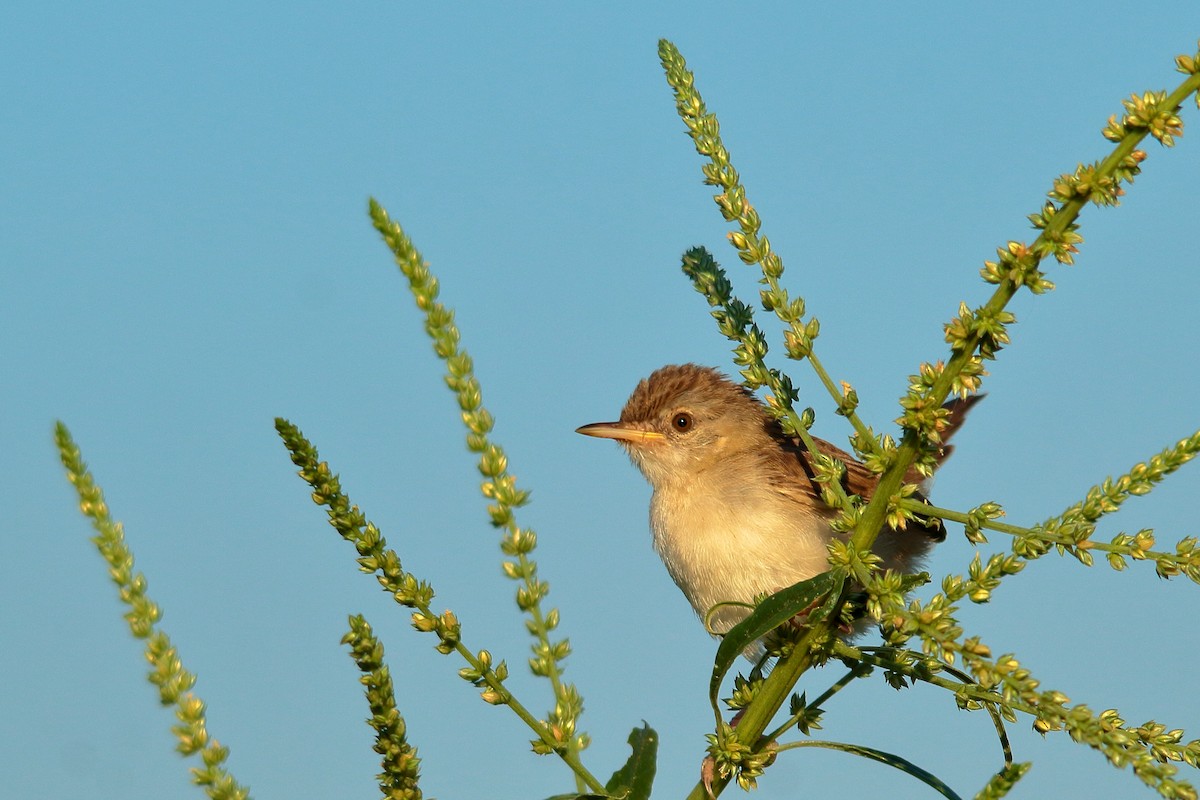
708 768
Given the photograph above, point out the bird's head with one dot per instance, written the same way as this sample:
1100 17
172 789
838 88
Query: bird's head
684 420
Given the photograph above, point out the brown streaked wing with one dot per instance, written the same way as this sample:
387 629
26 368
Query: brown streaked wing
857 480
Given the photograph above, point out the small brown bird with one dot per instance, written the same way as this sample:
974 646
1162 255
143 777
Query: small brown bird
735 512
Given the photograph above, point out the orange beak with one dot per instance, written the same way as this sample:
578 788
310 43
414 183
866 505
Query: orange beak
621 431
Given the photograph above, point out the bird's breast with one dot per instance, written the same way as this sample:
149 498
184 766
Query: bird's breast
729 546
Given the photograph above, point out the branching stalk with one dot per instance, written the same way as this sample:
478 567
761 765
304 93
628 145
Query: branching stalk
1186 559
400 777
499 486
167 672
375 557
753 248
974 337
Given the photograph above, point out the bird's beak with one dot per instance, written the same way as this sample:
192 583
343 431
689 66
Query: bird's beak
622 431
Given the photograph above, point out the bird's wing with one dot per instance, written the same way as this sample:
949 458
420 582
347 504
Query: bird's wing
861 481
858 480
957 408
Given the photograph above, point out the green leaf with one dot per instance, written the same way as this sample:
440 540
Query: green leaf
902 764
634 780
770 613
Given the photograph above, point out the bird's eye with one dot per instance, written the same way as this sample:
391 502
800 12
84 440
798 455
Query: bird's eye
682 422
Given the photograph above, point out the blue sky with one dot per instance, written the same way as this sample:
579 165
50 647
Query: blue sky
186 255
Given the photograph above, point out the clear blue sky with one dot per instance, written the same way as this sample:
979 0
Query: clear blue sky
186 255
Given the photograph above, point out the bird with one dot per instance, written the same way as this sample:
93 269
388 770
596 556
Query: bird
735 512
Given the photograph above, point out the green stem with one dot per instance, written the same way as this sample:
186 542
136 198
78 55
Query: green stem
840 684
173 681
766 704
1017 530
873 516
439 324
569 755
875 512
864 433
958 516
964 686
